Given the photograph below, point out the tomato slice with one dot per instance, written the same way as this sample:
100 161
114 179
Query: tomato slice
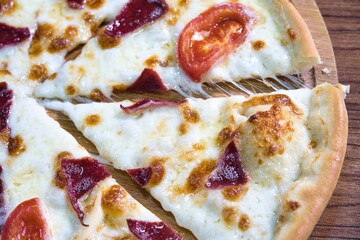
26 222
212 35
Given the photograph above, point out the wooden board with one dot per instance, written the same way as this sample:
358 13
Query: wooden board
325 72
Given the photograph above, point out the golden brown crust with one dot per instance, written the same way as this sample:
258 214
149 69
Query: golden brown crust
305 201
306 54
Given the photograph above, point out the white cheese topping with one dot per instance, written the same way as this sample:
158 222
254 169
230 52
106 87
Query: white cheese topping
134 140
122 65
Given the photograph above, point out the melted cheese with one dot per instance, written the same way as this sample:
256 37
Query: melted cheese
102 69
30 174
182 143
60 17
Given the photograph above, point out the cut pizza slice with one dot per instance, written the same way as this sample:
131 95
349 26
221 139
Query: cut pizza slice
36 37
261 167
52 189
190 42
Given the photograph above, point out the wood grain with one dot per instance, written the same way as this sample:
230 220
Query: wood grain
341 219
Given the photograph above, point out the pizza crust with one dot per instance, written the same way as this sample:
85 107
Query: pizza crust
306 53
305 201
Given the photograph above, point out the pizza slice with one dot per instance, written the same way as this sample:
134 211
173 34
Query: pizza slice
36 37
261 167
51 188
189 42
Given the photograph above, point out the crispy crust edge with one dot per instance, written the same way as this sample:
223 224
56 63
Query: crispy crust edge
313 191
307 54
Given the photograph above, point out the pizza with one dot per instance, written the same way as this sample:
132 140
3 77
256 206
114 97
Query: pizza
227 168
51 188
129 45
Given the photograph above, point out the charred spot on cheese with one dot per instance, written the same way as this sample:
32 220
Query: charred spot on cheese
183 128
6 96
58 44
92 120
229 170
173 16
70 32
7 6
291 33
196 180
158 172
52 76
38 72
106 41
183 3
148 81
259 44
313 144
190 115
152 61
244 222
70 90
41 39
113 202
229 215
97 96
94 4
235 193
224 136
81 176
60 179
291 206
273 127
90 20
16 146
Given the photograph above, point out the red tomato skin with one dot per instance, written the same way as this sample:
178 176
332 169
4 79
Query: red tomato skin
26 221
211 36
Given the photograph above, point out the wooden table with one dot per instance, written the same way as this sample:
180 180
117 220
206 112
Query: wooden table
341 219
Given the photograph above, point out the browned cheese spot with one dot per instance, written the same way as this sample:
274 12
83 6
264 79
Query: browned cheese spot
7 6
260 162
158 171
38 72
224 136
90 20
291 206
281 219
105 41
169 59
230 215
189 115
41 39
190 154
173 16
235 193
71 32
52 76
94 4
184 3
4 72
152 61
114 204
93 119
183 128
97 96
312 145
58 44
16 146
60 180
5 135
119 88
244 222
291 33
70 90
196 180
258 45
272 127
